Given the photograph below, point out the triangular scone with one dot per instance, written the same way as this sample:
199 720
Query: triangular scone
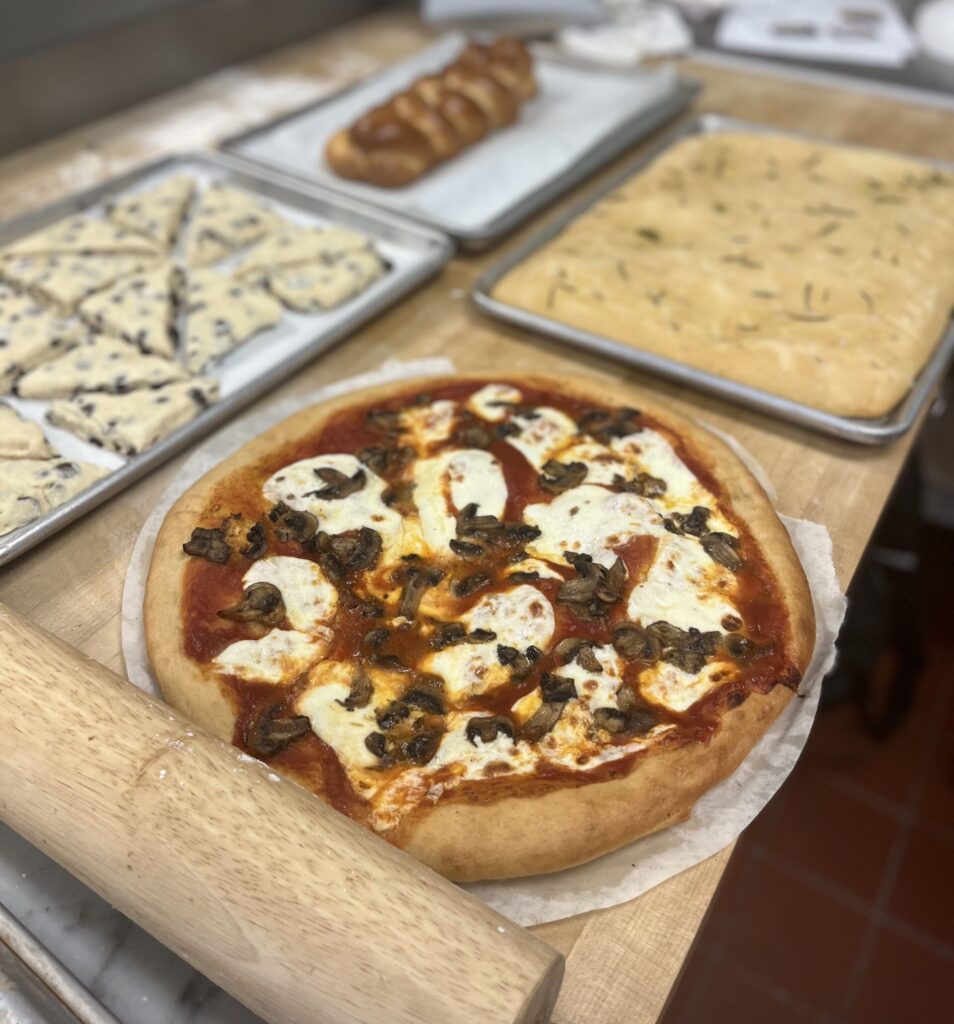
311 287
227 219
220 314
21 439
31 487
98 364
157 212
30 334
81 235
140 308
298 244
131 423
64 280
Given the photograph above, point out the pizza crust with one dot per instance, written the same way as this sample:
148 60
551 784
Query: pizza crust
541 831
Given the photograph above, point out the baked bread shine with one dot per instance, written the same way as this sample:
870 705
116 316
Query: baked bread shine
817 272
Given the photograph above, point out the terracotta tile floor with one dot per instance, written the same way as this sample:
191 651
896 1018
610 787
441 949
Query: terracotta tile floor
838 903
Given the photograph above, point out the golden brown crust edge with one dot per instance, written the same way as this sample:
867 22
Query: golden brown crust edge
566 826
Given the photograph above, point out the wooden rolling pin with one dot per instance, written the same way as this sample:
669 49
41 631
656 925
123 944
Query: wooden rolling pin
288 905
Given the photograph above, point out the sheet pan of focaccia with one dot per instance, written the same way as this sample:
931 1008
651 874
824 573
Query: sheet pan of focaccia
805 278
137 316
580 119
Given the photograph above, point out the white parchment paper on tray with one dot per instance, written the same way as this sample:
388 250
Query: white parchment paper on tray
718 818
575 109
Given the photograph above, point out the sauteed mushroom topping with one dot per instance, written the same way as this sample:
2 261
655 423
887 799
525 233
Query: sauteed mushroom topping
595 589
389 716
292 525
261 602
686 649
561 476
540 722
343 553
490 530
418 748
739 647
723 548
635 644
472 433
578 650
465 549
376 743
427 699
257 543
208 544
693 524
518 663
416 576
488 728
385 421
337 485
450 634
382 460
524 577
632 716
603 425
273 732
556 689
400 497
643 484
361 690
468 585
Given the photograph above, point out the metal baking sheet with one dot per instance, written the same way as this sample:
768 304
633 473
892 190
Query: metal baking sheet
581 119
414 251
864 431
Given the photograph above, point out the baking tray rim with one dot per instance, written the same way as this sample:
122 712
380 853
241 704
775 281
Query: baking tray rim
629 132
437 248
876 430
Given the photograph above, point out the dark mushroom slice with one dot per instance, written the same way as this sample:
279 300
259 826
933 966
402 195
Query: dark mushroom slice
425 698
578 650
666 633
643 484
633 643
416 577
261 602
257 543
273 731
611 719
465 548
375 638
395 712
366 607
208 544
377 743
390 662
468 585
400 497
360 693
724 549
631 717
337 485
603 425
490 530
558 477
518 663
471 432
595 589
739 647
385 421
290 524
488 728
692 524
556 689
356 551
449 634
422 747
382 460
688 649
540 722
524 577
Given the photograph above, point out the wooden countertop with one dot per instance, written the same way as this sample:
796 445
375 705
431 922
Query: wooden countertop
622 962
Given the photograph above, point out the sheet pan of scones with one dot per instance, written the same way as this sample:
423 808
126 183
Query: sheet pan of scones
136 316
812 280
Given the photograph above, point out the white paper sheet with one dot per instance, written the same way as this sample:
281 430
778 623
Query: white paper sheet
575 110
718 818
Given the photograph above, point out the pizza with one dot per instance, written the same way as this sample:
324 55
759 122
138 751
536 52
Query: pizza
509 624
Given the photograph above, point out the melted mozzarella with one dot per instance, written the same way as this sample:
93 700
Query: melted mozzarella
596 689
677 690
428 425
294 485
520 618
309 598
601 463
343 729
278 658
542 436
447 483
590 520
684 587
484 403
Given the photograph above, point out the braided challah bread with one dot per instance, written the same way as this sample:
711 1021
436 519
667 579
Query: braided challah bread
436 116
